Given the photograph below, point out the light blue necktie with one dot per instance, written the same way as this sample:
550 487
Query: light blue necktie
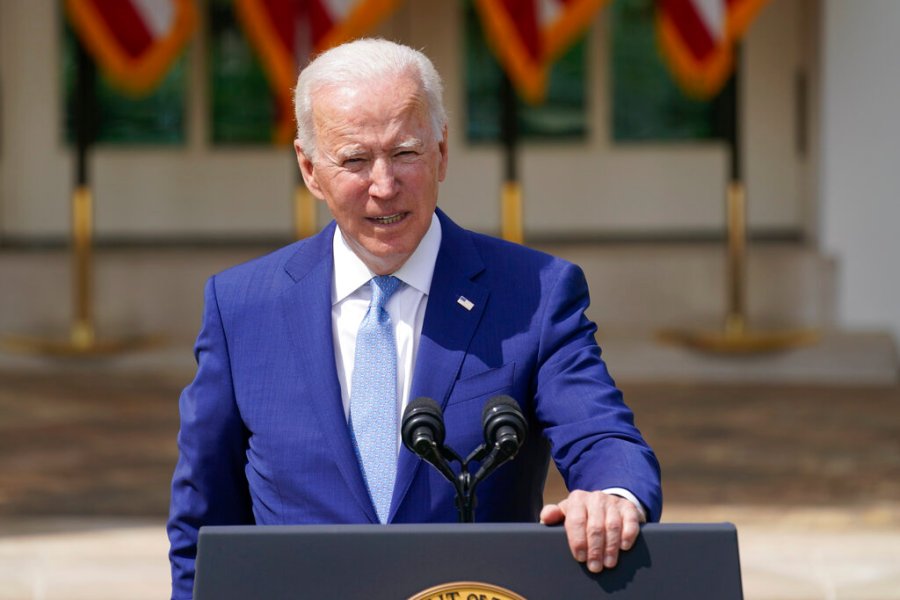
373 399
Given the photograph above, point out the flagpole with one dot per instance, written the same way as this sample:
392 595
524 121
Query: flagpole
737 336
83 333
735 209
82 339
511 209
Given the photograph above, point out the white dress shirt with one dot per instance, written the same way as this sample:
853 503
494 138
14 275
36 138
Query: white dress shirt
350 297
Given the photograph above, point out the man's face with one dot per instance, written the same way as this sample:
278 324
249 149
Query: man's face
377 167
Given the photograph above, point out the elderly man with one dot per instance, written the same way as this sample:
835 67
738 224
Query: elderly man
307 356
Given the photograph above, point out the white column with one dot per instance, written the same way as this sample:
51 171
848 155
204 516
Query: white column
860 168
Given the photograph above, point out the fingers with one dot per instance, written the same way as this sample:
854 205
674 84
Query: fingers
631 527
614 527
623 524
576 523
604 530
598 526
552 514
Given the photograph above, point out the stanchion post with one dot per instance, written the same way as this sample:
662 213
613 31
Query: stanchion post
511 212
83 334
304 212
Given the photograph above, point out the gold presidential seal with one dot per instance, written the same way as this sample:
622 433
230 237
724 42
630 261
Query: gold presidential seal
466 590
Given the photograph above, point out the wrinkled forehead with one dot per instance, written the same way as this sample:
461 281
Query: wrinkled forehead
403 89
388 109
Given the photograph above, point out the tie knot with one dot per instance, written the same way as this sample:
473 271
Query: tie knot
382 288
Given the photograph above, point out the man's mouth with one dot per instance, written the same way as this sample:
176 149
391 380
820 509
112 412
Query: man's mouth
389 219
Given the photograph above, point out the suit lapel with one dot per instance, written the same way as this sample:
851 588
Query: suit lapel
455 307
306 307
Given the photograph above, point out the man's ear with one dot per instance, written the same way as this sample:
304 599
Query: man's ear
308 171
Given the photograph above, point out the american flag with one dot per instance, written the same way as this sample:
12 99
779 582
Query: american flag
528 35
285 33
697 39
133 41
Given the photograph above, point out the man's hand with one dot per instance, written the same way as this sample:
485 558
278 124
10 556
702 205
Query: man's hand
598 525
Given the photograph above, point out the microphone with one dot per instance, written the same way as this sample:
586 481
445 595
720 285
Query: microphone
422 431
504 425
505 429
422 428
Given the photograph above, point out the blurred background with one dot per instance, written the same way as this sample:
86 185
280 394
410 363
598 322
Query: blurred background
725 172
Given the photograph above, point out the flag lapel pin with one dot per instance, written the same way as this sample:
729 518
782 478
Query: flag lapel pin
465 303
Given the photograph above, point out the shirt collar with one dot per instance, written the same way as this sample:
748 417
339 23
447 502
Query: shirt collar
350 273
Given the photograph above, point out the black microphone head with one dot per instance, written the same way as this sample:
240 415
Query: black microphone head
422 426
504 424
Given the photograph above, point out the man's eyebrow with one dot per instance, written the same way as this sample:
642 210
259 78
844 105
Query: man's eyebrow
409 144
350 152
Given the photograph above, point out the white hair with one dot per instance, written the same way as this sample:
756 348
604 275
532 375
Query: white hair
365 59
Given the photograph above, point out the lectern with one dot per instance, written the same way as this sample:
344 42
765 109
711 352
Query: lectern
459 562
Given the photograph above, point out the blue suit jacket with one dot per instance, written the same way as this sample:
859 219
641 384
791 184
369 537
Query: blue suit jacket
263 435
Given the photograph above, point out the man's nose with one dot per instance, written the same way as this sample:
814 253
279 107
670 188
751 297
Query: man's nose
382 184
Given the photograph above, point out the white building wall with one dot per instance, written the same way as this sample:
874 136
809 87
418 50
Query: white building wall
860 170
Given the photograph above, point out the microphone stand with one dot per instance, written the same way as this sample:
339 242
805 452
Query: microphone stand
465 482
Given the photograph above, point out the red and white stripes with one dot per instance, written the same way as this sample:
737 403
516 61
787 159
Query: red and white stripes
133 41
698 37
528 35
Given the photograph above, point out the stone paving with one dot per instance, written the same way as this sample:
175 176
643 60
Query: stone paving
809 474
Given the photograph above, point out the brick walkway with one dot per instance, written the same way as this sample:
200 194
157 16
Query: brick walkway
96 444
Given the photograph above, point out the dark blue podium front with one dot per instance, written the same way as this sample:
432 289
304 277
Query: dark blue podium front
396 562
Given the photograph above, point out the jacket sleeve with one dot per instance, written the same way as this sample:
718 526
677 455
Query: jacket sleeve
209 486
592 435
